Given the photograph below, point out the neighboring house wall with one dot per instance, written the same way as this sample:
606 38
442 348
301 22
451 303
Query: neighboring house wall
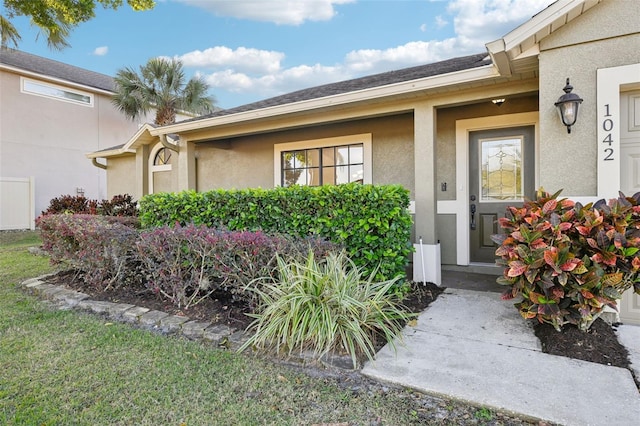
598 39
48 138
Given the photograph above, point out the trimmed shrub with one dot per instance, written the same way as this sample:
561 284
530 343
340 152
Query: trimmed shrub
569 261
187 264
103 249
325 305
182 264
372 222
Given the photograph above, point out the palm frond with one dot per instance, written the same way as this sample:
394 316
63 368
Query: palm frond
8 33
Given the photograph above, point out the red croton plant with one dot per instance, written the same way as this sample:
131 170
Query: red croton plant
569 261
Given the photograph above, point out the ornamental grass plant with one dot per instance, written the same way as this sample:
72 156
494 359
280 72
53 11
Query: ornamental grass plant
325 305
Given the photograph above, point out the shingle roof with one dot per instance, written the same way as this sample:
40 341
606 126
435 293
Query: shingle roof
44 66
376 80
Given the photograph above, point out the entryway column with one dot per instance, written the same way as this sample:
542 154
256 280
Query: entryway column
186 165
142 172
426 262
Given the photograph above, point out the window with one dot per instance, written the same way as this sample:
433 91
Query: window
324 162
501 169
57 92
162 157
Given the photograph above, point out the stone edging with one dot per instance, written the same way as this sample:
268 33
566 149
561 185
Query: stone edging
222 336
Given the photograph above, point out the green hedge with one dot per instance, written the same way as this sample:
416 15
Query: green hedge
371 221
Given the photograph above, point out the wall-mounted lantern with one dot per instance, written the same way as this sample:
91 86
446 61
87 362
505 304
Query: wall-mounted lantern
568 106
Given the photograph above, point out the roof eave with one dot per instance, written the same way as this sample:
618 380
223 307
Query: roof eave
523 41
141 137
110 153
51 79
407 87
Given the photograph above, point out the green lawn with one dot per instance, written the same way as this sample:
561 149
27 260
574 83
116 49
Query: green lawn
68 368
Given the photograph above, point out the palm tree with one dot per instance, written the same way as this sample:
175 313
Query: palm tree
160 86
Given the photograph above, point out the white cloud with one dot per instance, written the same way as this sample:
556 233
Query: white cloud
272 84
476 22
423 27
488 20
242 58
260 72
412 53
283 12
101 51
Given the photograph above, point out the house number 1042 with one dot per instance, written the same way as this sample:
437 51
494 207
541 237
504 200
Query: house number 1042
607 126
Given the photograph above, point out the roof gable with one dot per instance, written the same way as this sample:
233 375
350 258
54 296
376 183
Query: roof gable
518 50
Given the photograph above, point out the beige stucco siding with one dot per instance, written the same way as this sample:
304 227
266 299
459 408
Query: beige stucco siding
248 161
165 181
121 176
244 163
611 18
446 134
569 161
393 152
446 159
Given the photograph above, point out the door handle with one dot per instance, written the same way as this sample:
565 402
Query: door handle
472 209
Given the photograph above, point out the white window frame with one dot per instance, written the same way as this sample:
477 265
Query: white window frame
24 89
364 139
155 169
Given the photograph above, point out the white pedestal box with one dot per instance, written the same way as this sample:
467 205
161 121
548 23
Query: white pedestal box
427 258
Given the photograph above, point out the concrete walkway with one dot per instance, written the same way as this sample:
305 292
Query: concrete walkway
472 346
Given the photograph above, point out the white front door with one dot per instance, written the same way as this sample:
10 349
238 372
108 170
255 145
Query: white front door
630 179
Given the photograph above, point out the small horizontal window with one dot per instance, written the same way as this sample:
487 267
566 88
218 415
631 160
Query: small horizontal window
56 92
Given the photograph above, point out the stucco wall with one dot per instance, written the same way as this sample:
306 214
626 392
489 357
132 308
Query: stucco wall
48 139
569 161
121 176
165 181
244 163
446 163
446 134
248 161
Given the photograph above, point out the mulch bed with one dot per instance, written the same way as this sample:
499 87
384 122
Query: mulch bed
599 344
217 309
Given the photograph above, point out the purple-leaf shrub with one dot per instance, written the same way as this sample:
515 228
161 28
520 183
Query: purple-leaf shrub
186 264
179 262
182 264
244 257
102 249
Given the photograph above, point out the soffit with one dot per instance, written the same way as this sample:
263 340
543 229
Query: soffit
518 51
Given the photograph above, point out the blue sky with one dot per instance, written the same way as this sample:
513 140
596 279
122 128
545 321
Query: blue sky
249 50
